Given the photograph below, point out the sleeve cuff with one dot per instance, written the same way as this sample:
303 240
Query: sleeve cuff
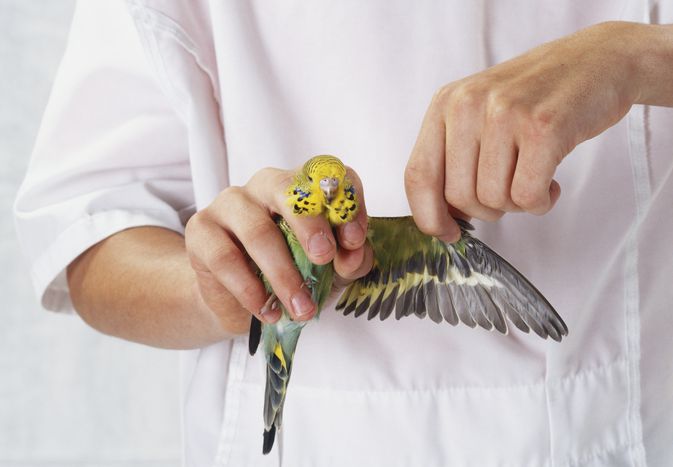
49 269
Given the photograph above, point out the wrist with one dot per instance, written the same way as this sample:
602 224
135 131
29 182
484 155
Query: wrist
650 51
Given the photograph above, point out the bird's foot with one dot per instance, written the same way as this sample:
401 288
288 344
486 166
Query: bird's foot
309 283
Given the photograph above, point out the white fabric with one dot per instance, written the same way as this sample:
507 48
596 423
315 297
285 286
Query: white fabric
252 84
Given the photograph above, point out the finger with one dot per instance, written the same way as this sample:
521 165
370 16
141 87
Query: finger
463 134
261 238
497 161
222 268
533 187
213 296
353 264
269 187
554 192
424 177
352 235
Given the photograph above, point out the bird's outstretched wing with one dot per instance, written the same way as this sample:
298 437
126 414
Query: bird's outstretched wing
466 281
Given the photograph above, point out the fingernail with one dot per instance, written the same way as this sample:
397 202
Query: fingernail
319 244
353 233
301 303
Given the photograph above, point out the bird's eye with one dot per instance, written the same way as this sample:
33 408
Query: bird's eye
310 179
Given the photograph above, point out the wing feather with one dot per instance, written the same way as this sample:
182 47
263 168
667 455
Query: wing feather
419 300
430 289
415 274
362 305
376 306
388 304
493 314
461 304
446 304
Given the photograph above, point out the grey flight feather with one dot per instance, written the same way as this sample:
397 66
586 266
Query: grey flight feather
466 281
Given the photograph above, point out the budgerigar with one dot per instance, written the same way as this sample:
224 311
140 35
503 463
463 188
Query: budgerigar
413 274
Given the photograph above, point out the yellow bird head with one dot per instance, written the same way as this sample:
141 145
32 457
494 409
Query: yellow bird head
322 188
325 174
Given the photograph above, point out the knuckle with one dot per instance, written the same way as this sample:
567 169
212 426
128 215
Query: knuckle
543 125
491 196
497 215
465 99
415 174
285 177
196 231
262 175
223 259
430 226
233 195
491 215
260 232
484 212
442 96
527 197
252 295
196 264
194 224
458 196
499 107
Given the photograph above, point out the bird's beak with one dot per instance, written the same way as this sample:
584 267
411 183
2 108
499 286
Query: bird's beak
329 188
329 193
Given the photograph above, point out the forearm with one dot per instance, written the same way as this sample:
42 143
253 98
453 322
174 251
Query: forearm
138 285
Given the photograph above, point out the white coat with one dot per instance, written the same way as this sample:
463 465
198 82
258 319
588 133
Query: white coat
160 105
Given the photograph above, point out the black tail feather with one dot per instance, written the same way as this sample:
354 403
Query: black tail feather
255 335
269 437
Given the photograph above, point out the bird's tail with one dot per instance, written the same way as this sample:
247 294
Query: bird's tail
279 349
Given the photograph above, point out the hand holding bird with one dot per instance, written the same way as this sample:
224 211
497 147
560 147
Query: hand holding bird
412 274
236 235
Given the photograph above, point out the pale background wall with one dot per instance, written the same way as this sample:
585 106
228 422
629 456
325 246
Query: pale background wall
68 396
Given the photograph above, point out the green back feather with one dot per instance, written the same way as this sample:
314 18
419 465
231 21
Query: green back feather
397 239
318 277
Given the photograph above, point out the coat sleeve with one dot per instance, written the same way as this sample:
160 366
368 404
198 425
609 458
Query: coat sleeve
110 154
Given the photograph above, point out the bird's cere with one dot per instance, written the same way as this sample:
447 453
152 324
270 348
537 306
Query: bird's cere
329 186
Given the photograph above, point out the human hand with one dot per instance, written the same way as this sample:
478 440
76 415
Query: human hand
238 226
490 143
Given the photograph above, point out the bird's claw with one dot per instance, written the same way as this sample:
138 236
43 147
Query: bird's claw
271 304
